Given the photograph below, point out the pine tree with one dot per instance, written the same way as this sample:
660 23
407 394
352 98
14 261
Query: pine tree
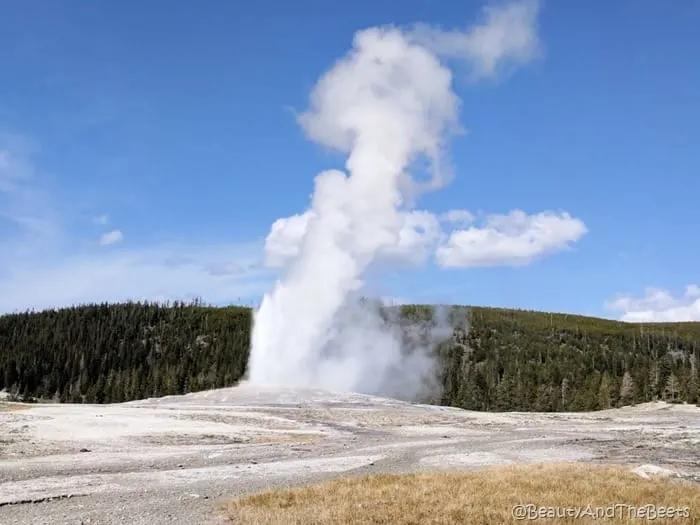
565 395
627 390
693 389
504 393
672 388
544 400
654 383
605 392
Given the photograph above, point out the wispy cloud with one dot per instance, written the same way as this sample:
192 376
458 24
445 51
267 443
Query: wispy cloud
113 237
166 272
15 170
28 218
658 305
41 267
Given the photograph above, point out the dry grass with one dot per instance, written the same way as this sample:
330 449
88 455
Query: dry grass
13 407
485 497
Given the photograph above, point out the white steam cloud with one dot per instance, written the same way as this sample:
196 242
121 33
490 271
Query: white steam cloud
508 36
388 105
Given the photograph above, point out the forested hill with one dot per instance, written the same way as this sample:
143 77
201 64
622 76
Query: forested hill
506 360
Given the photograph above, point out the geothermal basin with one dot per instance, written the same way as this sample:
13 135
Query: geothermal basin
172 459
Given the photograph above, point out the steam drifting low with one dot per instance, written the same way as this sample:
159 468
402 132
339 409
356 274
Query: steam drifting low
389 105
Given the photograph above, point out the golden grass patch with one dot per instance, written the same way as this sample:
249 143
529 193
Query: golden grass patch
552 493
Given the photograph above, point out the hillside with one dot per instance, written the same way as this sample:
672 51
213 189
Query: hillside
506 360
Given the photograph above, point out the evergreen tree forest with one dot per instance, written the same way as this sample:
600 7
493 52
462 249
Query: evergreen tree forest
112 353
495 359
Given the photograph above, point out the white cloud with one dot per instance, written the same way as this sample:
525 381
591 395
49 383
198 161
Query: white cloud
515 239
658 305
508 35
113 237
416 238
692 291
462 217
162 273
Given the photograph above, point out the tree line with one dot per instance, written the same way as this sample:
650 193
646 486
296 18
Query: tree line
495 359
533 361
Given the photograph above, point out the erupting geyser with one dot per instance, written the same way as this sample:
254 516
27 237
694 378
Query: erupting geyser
389 106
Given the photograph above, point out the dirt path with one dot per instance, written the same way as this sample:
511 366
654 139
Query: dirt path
169 460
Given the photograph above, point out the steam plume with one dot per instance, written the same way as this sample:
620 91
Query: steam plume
388 105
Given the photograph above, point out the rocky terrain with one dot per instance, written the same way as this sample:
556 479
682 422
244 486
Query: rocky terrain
170 460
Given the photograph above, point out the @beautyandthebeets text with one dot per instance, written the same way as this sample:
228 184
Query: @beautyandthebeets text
620 511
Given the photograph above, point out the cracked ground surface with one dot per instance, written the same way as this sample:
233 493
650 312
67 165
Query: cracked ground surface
170 460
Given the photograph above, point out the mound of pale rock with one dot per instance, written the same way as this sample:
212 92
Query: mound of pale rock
650 471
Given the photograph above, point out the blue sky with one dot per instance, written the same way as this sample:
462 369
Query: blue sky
147 148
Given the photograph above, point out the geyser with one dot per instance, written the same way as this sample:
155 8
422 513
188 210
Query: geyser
389 106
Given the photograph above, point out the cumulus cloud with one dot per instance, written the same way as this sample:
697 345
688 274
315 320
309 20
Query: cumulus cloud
166 272
417 237
514 239
658 305
507 36
113 237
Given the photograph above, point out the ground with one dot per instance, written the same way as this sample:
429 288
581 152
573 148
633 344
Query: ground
174 459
